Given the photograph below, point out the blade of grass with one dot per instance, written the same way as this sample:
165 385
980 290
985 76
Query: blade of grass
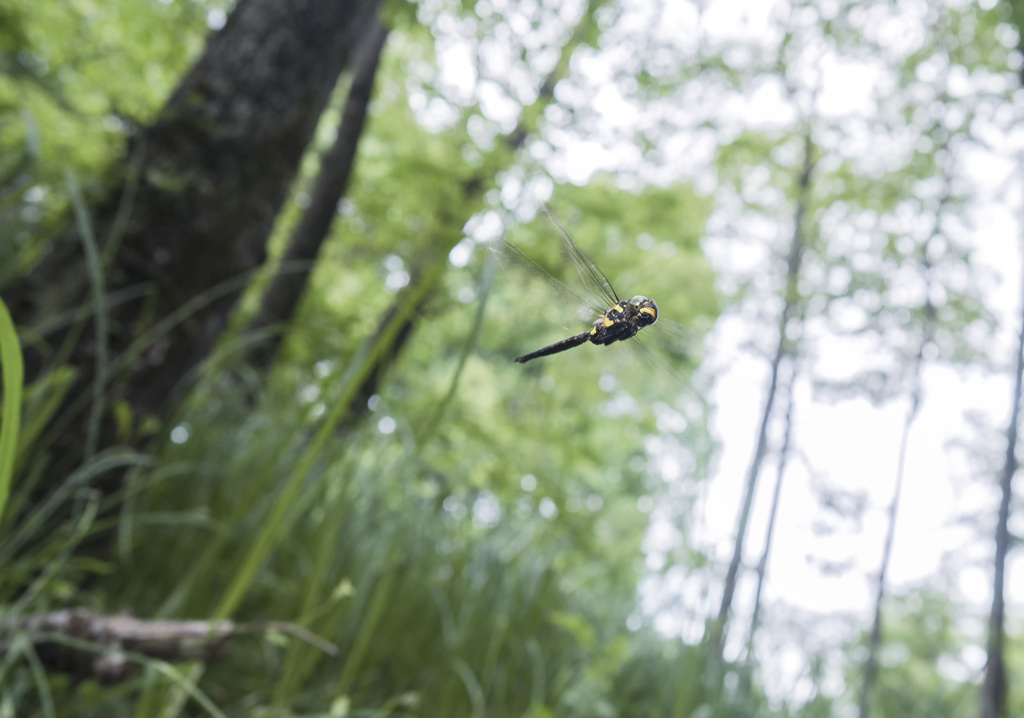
55 566
28 480
430 428
124 207
297 662
30 529
379 599
94 266
42 686
10 420
43 398
120 364
473 689
35 336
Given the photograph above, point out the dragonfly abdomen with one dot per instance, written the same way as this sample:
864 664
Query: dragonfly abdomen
561 346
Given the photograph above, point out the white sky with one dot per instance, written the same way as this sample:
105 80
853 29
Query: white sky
849 444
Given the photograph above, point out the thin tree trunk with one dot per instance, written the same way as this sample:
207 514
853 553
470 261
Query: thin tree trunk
792 299
875 640
993 692
747 674
219 160
281 299
762 565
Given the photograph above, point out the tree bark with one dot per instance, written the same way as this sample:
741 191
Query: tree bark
217 166
279 303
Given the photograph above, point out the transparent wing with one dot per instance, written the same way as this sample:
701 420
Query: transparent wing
667 345
672 349
590 274
533 285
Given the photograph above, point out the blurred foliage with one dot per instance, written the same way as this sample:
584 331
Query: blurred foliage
926 659
476 551
77 79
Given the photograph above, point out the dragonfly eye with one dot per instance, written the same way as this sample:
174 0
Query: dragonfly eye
645 308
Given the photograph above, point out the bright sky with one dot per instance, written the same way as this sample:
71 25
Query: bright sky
849 445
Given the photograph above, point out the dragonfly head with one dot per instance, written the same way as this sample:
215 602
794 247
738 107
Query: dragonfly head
646 310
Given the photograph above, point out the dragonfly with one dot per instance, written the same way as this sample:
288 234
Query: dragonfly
621 322
616 319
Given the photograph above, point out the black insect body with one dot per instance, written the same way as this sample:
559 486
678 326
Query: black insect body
622 321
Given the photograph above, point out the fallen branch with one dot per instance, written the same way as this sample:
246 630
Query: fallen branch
108 647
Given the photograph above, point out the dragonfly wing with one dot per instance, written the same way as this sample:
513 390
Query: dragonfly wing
590 274
545 293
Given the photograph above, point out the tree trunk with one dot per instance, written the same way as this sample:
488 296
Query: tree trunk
993 692
762 565
217 166
716 638
281 299
875 637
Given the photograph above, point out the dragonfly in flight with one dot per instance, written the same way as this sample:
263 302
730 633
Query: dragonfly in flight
622 319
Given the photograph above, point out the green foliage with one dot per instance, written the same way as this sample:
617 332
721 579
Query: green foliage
76 81
411 581
923 670
450 583
470 537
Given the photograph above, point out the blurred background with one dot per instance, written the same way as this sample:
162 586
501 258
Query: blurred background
265 451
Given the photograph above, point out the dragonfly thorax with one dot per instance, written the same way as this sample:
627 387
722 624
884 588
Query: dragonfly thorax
645 310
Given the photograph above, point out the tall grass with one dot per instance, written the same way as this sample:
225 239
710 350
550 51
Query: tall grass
438 606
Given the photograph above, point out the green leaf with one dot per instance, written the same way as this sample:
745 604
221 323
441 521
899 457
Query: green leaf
13 372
